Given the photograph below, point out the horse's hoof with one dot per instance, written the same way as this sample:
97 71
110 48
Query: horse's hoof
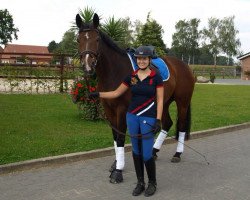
175 159
116 176
113 166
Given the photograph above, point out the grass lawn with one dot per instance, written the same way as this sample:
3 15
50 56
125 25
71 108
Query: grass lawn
34 126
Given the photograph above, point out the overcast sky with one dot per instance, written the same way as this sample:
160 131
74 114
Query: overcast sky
41 21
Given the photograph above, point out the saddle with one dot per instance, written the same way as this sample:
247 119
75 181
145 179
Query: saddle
157 63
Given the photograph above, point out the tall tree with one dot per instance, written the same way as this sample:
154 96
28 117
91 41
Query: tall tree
151 34
68 43
212 38
186 38
230 43
194 36
128 37
8 31
180 39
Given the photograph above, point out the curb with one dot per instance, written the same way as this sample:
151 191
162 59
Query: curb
81 156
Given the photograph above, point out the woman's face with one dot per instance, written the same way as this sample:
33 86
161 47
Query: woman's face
143 62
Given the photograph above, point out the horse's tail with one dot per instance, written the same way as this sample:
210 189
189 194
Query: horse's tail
187 125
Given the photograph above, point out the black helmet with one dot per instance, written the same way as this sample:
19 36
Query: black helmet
143 51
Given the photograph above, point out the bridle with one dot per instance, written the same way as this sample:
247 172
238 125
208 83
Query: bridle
92 54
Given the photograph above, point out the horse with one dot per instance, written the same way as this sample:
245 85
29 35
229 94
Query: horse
99 54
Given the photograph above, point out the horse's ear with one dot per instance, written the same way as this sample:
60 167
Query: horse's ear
96 20
78 21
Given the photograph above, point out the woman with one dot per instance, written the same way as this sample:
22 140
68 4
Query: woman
143 116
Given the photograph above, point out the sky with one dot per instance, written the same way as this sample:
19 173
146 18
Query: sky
42 21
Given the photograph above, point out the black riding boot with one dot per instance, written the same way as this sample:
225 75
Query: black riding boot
139 170
151 171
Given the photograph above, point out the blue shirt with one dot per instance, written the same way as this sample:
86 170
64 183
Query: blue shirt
143 102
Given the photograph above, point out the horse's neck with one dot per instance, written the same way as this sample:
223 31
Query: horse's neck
112 68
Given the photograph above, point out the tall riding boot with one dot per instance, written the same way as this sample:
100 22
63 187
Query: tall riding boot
151 171
139 170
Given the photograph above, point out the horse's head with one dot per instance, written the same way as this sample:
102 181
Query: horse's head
88 40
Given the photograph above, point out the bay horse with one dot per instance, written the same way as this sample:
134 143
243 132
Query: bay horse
99 54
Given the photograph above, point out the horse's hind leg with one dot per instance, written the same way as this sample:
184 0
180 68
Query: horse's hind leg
183 128
166 125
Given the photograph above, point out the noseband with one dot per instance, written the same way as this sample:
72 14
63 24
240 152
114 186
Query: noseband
92 54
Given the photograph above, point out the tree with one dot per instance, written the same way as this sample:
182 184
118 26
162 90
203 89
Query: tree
230 44
194 36
128 37
115 29
68 43
7 27
186 39
211 35
180 39
151 34
52 46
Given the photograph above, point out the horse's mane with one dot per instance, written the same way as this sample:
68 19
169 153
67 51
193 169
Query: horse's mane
108 41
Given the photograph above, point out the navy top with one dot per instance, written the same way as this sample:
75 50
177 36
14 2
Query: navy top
143 102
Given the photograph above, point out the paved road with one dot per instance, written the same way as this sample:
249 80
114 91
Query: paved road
226 178
232 81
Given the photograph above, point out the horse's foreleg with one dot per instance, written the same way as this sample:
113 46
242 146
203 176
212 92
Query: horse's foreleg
119 164
166 125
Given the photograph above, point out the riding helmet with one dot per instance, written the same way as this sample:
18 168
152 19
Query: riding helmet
143 51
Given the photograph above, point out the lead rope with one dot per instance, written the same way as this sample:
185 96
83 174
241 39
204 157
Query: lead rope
145 122
139 136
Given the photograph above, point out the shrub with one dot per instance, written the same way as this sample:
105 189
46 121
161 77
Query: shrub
89 109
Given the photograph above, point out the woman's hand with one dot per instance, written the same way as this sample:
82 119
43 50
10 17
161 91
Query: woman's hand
94 95
157 126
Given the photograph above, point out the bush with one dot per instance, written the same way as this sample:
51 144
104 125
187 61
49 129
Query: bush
89 109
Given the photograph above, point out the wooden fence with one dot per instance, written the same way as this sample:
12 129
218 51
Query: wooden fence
61 71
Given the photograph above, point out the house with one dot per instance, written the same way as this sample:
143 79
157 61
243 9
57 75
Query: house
16 53
245 66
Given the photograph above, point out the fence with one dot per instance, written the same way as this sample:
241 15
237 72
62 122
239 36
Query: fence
40 77
220 72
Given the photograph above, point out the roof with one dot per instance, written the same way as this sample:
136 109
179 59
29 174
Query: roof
17 48
244 56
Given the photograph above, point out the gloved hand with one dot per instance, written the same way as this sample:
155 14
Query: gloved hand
157 126
94 95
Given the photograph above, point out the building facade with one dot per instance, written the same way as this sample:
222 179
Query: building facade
245 66
25 54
